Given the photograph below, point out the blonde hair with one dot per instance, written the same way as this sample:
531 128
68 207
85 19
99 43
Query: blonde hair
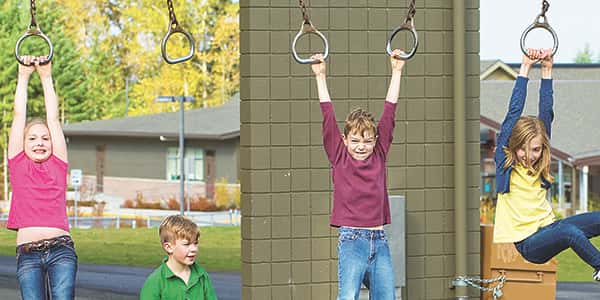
526 129
360 121
34 121
178 227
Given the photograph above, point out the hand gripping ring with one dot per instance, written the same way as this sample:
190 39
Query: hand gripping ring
163 46
34 31
308 28
406 26
539 24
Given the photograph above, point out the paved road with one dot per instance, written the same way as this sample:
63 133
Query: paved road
577 291
95 282
113 282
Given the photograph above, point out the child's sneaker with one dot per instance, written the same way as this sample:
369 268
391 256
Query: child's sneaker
596 275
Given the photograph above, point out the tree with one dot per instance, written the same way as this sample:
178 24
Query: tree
211 76
584 56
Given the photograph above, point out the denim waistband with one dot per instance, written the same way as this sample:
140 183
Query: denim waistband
366 233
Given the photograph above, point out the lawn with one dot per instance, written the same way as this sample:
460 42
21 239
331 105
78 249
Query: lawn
572 268
219 247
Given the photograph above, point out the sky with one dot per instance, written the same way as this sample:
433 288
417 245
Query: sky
502 22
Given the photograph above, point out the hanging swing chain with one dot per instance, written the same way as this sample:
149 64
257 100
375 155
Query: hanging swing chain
410 15
305 15
172 18
32 10
545 7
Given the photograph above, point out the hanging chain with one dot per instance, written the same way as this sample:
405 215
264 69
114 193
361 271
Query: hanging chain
305 15
173 19
545 6
480 284
32 11
412 10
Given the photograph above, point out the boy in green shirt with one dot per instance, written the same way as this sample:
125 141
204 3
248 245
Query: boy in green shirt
179 276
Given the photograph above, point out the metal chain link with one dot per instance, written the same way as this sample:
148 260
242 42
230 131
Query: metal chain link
32 11
412 10
172 17
479 284
305 15
545 7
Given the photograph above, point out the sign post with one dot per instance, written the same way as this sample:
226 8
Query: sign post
76 175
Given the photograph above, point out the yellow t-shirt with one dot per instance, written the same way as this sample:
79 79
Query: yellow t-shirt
523 210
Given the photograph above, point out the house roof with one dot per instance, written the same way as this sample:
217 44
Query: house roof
487 68
220 123
564 71
576 107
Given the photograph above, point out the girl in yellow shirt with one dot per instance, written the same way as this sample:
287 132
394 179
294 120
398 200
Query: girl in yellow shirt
523 215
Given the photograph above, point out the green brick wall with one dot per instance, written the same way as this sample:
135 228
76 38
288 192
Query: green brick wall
288 249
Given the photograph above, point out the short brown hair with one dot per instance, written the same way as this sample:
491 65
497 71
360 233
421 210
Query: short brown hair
178 227
360 121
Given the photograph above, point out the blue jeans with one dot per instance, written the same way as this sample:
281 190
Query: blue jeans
364 257
56 267
573 232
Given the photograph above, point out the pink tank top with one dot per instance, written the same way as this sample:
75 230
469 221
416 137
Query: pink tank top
38 193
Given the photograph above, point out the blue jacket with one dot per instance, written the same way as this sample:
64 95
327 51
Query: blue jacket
515 109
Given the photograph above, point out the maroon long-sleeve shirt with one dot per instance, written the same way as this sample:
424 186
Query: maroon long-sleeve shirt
360 196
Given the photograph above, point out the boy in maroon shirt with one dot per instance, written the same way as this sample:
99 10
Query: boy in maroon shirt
360 199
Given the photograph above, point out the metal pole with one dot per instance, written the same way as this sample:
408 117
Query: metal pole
190 163
181 157
460 153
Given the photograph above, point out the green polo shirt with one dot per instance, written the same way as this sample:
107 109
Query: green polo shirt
163 284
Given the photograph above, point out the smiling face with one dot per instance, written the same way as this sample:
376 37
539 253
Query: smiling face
37 144
529 154
360 146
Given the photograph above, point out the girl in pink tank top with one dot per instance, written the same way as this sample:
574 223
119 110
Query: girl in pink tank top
37 160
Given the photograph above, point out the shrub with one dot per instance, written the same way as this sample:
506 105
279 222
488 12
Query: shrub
221 193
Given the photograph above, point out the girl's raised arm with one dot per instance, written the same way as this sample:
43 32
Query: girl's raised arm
59 146
17 129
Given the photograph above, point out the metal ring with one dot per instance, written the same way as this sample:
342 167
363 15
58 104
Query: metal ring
308 28
163 46
29 33
415 36
543 25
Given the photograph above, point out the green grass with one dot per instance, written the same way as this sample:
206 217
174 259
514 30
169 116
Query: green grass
572 268
219 247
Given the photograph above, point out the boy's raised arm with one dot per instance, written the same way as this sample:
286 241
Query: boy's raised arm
394 88
320 75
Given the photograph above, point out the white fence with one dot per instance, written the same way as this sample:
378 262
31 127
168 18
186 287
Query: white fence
219 218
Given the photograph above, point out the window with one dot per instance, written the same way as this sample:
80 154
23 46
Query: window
194 164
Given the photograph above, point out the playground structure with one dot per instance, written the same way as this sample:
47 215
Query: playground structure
288 248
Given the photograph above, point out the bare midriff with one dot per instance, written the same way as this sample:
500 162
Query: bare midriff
31 234
380 227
